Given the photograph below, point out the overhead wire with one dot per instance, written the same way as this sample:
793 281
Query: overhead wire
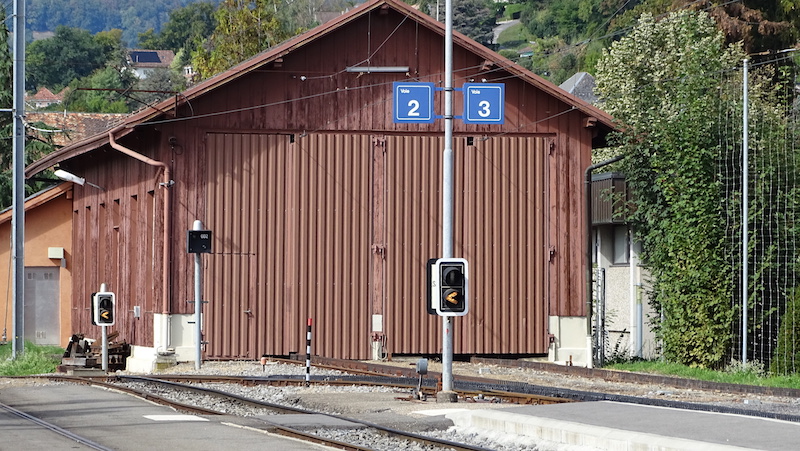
372 53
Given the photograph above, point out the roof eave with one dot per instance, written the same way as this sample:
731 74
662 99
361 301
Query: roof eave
291 44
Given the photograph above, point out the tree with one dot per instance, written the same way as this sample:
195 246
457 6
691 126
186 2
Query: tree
36 144
473 18
72 53
102 92
661 81
112 47
159 84
244 28
186 29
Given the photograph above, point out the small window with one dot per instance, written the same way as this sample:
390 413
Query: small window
621 245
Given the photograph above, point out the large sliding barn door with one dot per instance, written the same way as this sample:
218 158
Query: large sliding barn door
501 222
290 217
338 228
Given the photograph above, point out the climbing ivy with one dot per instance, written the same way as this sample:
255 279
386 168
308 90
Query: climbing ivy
662 83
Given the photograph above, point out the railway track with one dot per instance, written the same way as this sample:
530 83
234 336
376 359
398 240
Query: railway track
482 389
403 379
66 435
189 384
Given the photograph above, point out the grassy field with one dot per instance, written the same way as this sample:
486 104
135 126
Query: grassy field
35 360
734 374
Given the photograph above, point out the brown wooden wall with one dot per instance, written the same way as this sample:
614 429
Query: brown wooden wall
298 224
322 207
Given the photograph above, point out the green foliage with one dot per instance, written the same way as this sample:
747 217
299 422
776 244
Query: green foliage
37 144
513 37
787 352
244 28
661 82
166 81
101 92
99 15
35 359
473 18
186 29
54 62
512 8
773 207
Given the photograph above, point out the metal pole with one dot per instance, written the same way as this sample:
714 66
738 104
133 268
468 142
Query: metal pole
18 201
308 352
198 302
745 195
447 194
104 333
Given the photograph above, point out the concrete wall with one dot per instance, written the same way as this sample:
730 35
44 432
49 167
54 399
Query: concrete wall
48 223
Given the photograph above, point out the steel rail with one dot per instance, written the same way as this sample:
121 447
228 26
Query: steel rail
53 428
131 391
284 430
586 396
428 387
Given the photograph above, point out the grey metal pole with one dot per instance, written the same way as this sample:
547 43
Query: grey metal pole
447 195
745 195
198 302
104 333
18 201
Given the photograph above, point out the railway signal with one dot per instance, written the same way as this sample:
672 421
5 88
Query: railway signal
103 308
449 286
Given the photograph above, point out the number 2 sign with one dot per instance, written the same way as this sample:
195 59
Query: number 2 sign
484 103
413 103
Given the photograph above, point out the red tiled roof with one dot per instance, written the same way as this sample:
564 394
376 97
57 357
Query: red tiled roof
44 94
74 127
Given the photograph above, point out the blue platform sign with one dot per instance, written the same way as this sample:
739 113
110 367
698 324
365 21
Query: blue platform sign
413 103
484 103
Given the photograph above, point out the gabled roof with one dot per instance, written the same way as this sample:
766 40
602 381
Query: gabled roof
37 199
150 58
299 41
44 94
581 85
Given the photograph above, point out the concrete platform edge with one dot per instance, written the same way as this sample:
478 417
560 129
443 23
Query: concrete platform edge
575 434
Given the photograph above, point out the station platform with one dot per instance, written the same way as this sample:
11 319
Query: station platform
607 425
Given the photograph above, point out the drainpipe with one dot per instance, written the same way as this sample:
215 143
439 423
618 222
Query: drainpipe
168 182
588 195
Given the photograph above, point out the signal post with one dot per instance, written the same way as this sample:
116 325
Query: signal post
103 313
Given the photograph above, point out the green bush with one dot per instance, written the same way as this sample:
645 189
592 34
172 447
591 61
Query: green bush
787 351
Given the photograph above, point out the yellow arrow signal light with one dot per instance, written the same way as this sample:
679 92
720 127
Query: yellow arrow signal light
448 286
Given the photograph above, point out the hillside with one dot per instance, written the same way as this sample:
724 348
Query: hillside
132 17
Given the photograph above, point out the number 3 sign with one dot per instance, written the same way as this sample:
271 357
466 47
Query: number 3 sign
483 103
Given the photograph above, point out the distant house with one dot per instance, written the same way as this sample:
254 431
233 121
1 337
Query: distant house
581 85
144 62
44 98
